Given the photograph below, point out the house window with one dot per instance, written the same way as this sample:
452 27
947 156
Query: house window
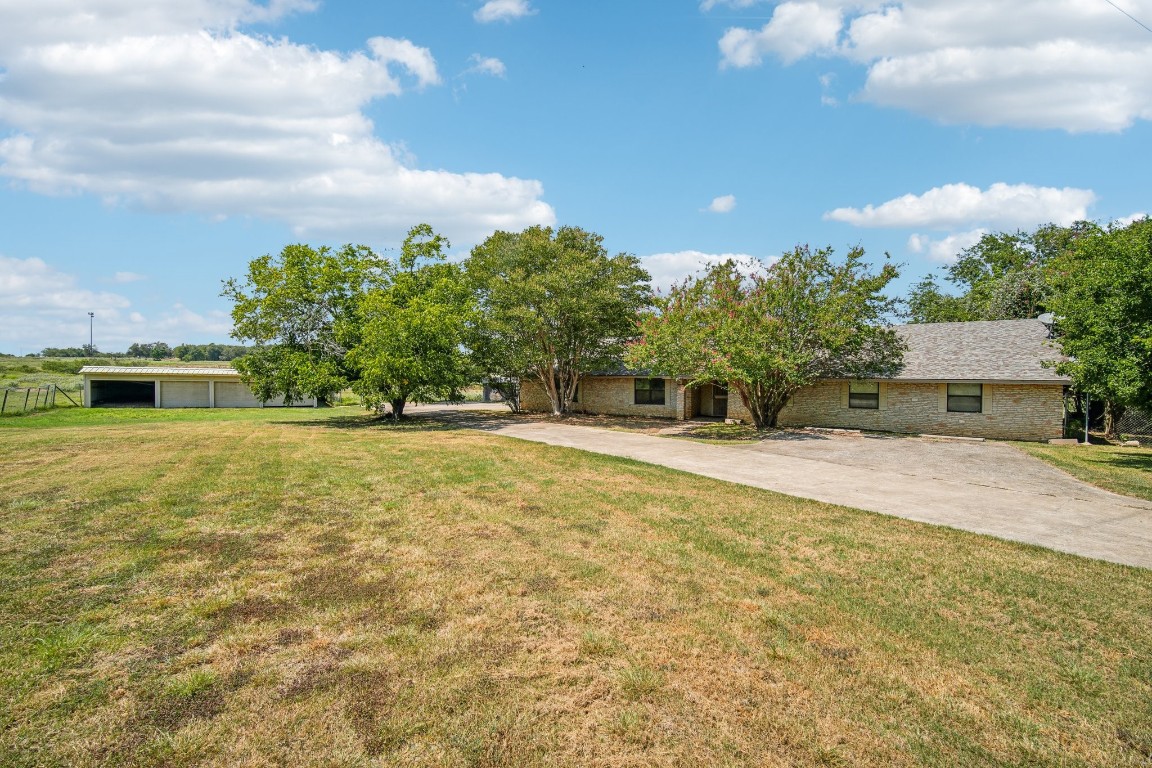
649 391
965 398
864 394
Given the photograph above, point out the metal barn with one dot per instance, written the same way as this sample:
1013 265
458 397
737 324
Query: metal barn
164 387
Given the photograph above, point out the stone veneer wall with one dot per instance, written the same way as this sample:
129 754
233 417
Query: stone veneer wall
611 395
1011 411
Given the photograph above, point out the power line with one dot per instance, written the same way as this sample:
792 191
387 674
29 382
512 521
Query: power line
1128 15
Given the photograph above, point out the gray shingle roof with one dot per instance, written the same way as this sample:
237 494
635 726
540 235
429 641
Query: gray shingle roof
993 350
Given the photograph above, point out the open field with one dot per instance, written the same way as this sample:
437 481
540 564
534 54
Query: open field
311 587
23 372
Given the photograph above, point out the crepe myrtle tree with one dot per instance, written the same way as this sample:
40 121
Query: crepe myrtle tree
553 305
768 330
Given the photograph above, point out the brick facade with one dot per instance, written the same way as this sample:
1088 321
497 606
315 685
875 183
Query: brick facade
612 396
1011 411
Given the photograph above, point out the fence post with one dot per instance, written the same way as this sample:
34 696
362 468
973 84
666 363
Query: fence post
53 395
4 402
27 394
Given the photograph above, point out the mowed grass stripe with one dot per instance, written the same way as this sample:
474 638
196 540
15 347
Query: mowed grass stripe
316 589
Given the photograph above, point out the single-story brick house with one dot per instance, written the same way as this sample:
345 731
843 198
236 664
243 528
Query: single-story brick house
976 379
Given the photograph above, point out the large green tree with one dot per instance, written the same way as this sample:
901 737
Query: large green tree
1004 276
322 320
1103 305
553 305
413 330
298 311
770 330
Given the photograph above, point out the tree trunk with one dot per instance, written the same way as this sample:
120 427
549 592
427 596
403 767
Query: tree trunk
398 408
1113 412
548 379
764 406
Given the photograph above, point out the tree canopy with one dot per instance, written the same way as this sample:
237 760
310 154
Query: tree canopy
1103 305
413 330
1004 276
322 320
211 351
156 350
553 306
770 330
298 310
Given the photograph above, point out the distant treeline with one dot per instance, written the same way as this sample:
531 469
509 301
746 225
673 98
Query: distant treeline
155 350
189 352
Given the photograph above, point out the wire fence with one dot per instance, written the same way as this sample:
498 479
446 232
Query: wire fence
25 399
1136 424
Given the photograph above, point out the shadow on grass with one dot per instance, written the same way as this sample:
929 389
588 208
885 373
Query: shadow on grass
1126 461
449 418
418 421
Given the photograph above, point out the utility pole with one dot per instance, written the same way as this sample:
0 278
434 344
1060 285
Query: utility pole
91 346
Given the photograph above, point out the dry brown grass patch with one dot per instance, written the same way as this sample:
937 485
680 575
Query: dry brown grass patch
277 591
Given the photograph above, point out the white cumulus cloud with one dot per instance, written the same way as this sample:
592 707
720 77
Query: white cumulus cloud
46 307
486 65
945 249
176 108
669 268
1124 221
415 59
128 277
1065 64
503 10
796 30
722 204
961 205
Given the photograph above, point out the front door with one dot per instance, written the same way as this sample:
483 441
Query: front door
720 401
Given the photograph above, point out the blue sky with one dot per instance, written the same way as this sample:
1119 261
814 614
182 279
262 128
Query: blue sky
149 150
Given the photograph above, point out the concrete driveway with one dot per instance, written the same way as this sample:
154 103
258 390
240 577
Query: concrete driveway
989 488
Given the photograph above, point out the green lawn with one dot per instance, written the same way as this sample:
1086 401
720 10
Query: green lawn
313 588
1121 470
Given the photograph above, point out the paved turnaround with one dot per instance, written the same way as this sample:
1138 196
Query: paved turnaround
1044 506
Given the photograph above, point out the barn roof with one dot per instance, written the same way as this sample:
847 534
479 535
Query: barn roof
158 370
